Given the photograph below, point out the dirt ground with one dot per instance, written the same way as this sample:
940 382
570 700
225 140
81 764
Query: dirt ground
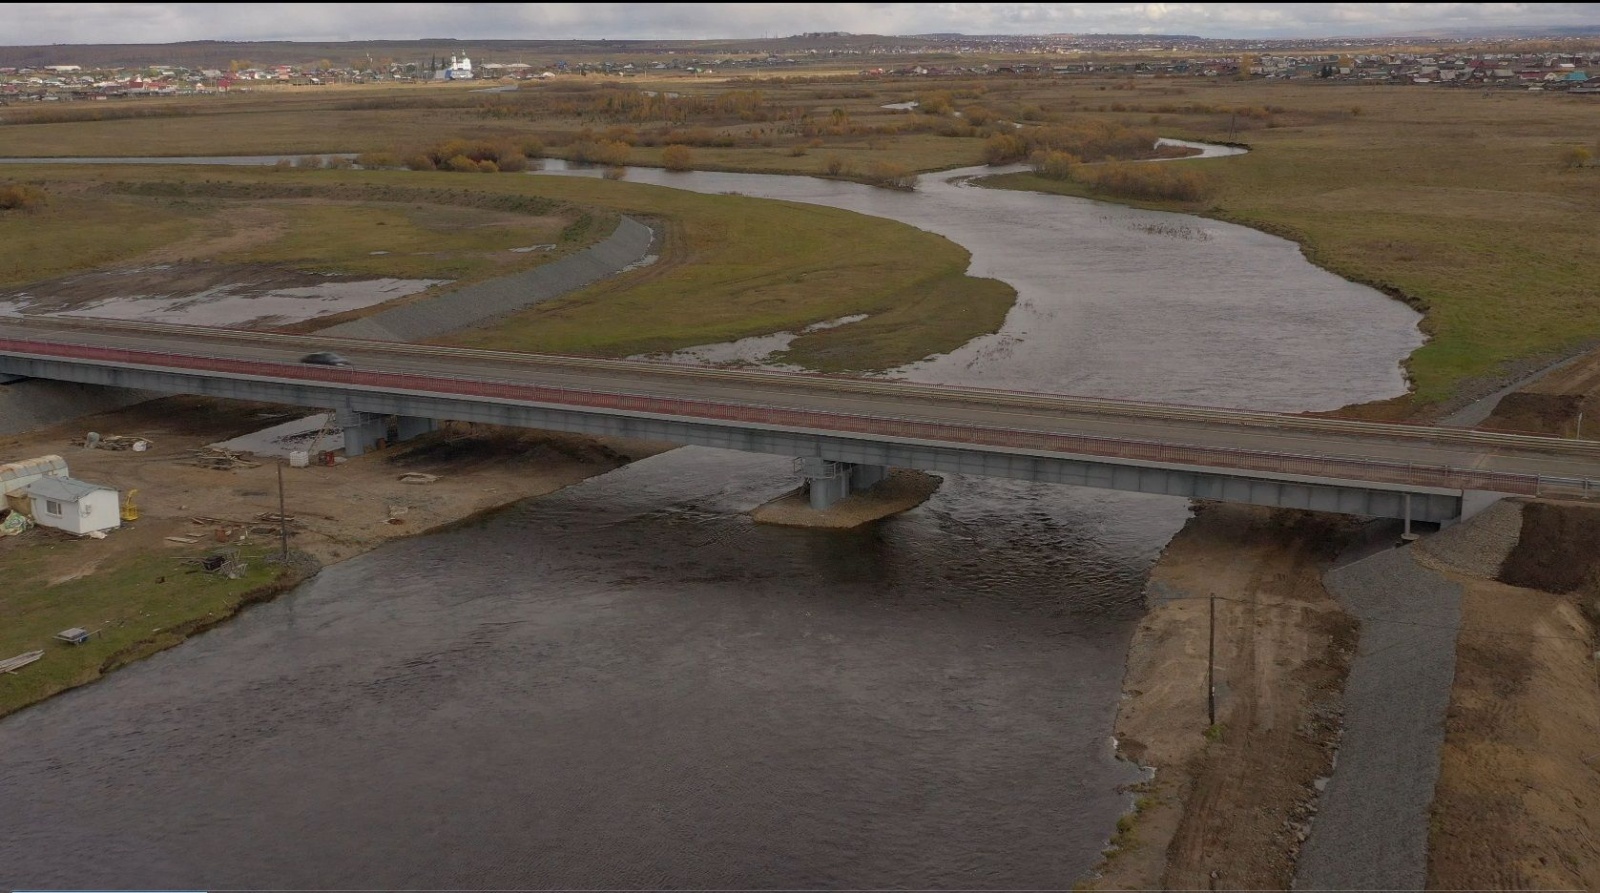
1554 404
338 511
1230 804
1517 804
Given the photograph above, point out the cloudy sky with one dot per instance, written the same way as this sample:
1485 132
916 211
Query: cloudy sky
52 23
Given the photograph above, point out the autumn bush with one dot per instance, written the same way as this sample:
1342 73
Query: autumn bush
1157 182
22 197
1053 164
890 175
677 158
606 152
379 160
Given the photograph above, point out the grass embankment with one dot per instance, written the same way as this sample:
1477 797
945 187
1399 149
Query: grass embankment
734 267
1452 200
134 606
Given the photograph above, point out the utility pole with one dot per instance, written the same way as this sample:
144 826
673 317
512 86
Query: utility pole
1211 667
283 519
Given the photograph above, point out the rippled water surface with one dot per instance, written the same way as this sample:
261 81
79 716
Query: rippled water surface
629 684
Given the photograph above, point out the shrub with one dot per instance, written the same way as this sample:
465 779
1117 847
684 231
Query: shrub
677 157
891 176
533 147
460 164
1053 164
611 154
1159 182
1575 157
977 115
488 167
421 162
1004 148
378 160
22 197
513 163
310 162
615 172
338 162
836 166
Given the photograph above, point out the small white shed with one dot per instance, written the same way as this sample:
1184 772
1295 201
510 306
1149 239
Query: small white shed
73 505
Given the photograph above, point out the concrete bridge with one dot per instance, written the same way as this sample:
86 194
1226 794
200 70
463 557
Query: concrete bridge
843 432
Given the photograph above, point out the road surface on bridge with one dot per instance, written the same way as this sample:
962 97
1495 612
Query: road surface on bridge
1445 457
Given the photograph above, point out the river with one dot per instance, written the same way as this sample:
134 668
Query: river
629 684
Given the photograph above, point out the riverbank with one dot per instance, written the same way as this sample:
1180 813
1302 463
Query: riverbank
144 597
1229 803
1233 804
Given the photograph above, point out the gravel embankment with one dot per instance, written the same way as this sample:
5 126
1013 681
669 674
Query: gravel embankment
1478 546
35 403
1371 831
477 304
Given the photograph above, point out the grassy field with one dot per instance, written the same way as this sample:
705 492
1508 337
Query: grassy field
93 220
134 607
79 232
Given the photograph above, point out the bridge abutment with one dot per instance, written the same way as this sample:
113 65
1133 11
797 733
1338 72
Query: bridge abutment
364 430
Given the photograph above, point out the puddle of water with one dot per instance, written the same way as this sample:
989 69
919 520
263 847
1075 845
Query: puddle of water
641 263
1207 150
756 350
233 305
532 248
901 106
312 433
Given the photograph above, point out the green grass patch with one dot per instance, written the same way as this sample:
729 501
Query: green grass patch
403 241
736 267
76 232
135 606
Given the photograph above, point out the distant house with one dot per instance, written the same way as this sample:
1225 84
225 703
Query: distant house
72 505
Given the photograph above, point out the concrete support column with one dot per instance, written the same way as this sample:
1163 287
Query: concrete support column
828 481
362 430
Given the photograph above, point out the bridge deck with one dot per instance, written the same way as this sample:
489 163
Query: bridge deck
1267 444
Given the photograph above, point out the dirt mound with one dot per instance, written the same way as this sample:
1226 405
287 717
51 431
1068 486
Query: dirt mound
1559 550
1532 413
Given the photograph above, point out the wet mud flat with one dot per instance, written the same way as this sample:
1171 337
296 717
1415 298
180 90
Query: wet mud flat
203 293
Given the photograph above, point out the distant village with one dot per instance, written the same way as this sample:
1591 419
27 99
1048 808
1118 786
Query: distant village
1550 71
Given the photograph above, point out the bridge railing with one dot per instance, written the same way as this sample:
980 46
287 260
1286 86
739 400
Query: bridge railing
1344 468
1143 409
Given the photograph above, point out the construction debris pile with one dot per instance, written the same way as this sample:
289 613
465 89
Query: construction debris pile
93 441
220 459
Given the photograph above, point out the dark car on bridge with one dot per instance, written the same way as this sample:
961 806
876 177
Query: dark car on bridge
325 358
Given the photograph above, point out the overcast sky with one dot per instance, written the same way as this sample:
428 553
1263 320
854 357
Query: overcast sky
51 23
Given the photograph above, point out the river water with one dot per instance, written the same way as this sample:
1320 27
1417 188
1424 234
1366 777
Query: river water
629 684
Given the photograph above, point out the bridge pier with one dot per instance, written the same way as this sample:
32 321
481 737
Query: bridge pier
363 430
828 481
